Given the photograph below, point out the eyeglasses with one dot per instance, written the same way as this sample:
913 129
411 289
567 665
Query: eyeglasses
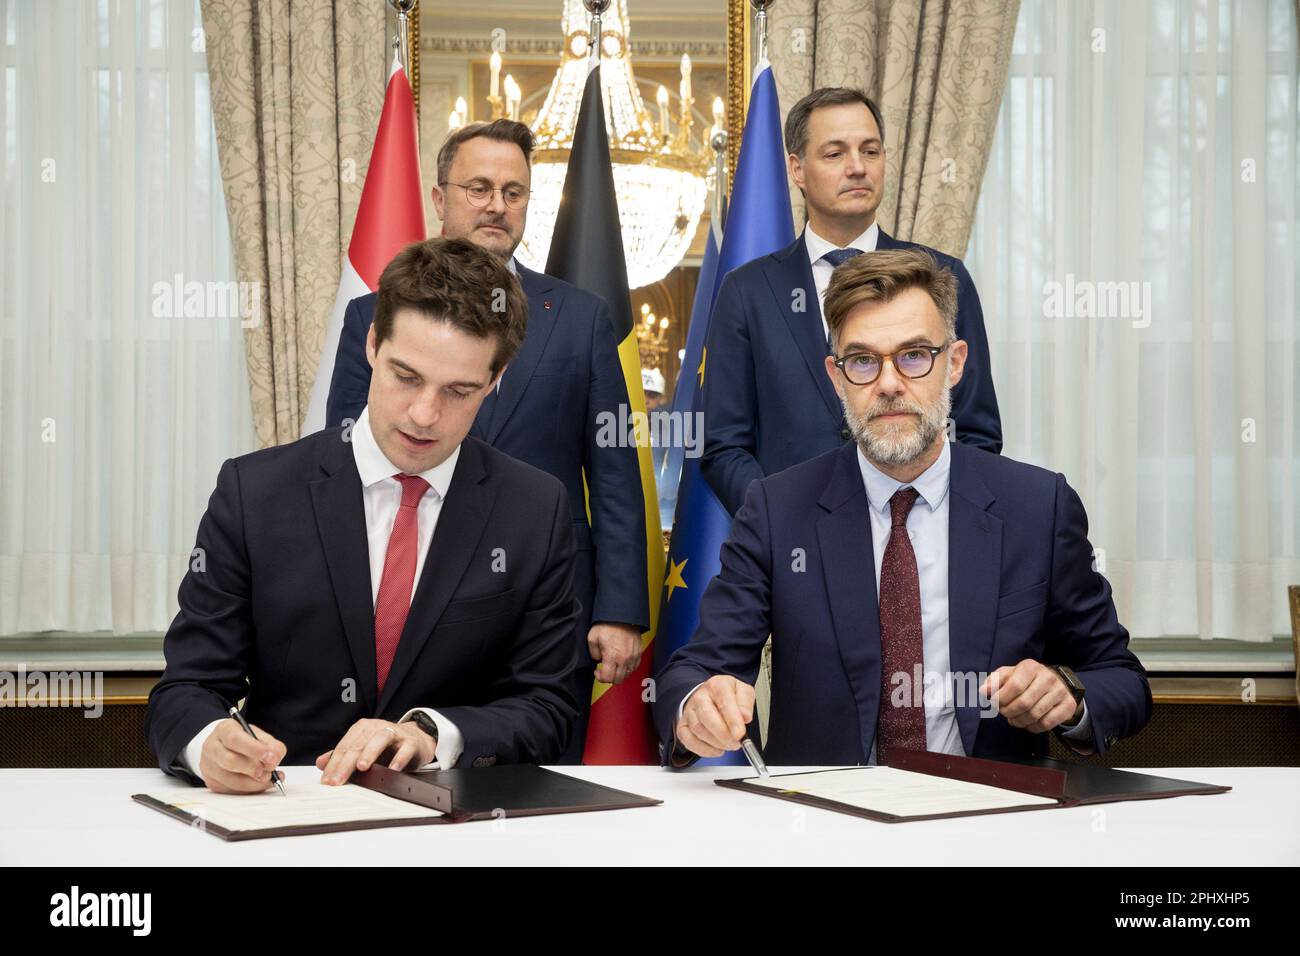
480 194
915 361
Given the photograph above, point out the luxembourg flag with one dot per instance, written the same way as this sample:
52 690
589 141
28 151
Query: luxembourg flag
390 215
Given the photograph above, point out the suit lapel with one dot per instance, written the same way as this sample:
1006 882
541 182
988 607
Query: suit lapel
974 576
885 241
541 291
341 522
788 270
848 564
461 524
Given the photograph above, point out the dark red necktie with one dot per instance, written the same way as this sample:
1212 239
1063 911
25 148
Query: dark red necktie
900 634
394 600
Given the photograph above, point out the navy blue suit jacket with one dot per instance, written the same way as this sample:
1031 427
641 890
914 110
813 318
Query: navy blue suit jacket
281 612
566 373
768 403
1020 585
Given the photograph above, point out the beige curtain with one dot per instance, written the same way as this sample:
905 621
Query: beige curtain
296 94
936 67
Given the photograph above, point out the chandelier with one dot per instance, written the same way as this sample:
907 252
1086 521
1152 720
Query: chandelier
660 176
651 338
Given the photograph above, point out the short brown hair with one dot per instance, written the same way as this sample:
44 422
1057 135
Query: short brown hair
796 121
455 281
881 276
502 130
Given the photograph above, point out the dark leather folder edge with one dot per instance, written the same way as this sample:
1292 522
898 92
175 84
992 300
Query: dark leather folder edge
236 836
1069 785
485 793
509 790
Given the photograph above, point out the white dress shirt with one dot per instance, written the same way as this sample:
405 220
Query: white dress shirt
821 269
381 496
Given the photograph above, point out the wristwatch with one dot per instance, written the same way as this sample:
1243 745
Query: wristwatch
425 723
1072 683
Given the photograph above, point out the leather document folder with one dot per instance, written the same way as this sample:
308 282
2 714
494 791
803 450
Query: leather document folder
923 785
380 797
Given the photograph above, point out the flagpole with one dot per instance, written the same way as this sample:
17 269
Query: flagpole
760 23
596 8
719 144
403 41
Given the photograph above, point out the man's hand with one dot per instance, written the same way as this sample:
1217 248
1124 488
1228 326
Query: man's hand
365 740
1032 696
715 716
618 649
233 762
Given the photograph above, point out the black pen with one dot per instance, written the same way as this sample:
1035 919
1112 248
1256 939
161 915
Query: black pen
243 723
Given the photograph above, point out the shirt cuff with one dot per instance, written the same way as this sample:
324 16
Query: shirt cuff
1082 731
192 755
451 742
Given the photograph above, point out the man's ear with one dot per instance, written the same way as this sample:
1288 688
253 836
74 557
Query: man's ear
795 166
956 362
372 349
833 372
439 201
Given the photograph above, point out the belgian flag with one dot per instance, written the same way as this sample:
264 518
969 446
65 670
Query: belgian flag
587 250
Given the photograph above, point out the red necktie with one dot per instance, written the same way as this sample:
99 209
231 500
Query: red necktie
900 634
394 599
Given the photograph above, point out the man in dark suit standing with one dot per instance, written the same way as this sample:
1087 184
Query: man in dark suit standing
545 411
303 601
920 594
767 403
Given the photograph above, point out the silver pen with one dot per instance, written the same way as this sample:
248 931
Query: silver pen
755 758
243 723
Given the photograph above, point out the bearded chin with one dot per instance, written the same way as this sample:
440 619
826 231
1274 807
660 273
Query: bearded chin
901 446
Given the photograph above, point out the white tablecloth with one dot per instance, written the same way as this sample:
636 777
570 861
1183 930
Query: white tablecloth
86 817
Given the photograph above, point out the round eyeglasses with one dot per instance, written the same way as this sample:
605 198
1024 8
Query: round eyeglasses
480 194
915 361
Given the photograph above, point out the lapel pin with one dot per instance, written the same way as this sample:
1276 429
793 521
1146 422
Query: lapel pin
546 303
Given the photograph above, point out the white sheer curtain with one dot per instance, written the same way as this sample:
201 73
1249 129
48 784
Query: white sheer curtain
1155 142
116 414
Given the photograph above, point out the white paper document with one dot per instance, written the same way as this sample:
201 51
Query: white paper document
902 793
306 802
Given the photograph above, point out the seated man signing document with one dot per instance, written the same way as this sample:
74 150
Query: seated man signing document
920 594
395 584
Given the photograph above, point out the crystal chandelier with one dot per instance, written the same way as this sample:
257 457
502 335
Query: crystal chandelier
659 174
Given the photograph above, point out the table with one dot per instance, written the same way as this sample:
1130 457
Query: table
80 817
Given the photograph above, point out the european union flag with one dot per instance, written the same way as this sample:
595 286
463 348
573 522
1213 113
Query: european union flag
759 221
688 382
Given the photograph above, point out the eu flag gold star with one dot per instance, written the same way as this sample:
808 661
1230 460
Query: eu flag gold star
674 579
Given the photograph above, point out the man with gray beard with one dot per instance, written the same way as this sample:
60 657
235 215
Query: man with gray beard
920 594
